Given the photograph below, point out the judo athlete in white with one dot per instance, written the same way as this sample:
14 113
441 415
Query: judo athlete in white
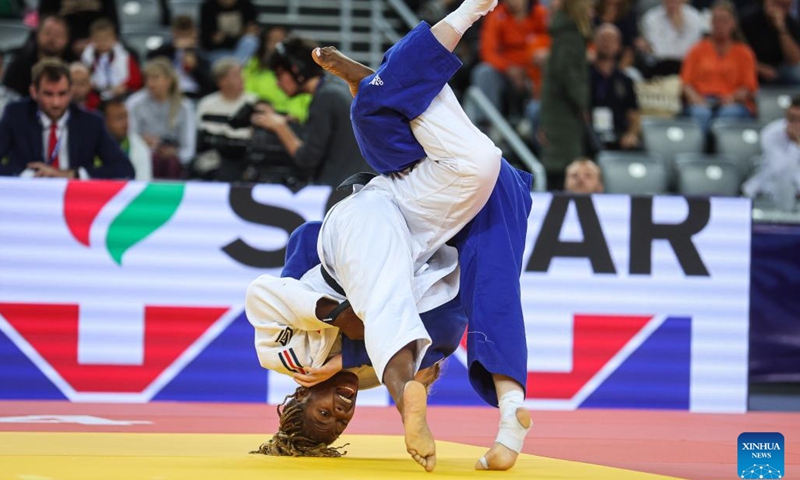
385 247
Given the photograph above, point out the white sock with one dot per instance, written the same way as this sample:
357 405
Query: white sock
511 434
468 13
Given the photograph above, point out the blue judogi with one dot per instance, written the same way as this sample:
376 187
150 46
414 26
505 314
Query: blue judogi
490 246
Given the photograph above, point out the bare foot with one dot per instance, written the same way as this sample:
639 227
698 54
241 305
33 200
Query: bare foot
342 66
500 457
419 440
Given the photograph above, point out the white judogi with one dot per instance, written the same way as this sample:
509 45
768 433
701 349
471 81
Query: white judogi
385 245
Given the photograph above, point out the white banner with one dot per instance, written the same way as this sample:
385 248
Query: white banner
629 302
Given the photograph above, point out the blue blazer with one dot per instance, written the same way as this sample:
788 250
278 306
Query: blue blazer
89 144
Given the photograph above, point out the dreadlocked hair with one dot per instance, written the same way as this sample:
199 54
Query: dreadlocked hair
291 440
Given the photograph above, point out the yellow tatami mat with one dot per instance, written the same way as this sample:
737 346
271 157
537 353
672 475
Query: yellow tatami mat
123 456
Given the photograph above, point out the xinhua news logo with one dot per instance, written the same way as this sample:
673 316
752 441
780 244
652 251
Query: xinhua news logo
761 455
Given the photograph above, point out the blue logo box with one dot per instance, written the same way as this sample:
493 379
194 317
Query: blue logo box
761 455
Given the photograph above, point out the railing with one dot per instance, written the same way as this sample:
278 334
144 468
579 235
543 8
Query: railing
509 135
406 15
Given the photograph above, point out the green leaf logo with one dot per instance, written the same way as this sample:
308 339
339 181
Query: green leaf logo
151 209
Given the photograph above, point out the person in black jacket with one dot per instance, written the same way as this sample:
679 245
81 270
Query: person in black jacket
228 29
328 150
50 40
194 71
80 15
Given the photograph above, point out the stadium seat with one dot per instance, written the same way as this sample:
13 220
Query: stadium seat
700 174
12 34
634 173
668 137
772 102
143 40
739 140
139 13
186 7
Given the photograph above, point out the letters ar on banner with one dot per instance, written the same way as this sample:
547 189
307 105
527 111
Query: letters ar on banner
115 291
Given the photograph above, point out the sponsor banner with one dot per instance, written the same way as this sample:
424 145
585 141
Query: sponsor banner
133 292
775 342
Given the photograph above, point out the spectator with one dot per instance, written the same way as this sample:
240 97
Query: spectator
46 136
670 30
115 72
512 42
116 115
194 72
778 177
565 92
6 94
224 103
82 93
583 176
615 110
621 14
228 28
260 80
773 35
328 151
51 40
79 15
164 119
719 74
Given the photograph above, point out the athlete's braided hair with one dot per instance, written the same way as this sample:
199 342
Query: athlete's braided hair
292 440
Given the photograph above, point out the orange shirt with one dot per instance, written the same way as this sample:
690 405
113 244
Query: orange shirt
506 41
713 75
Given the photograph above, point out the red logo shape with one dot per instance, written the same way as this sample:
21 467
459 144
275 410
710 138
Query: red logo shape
53 331
83 202
597 338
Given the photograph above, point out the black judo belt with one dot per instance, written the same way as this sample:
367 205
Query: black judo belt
331 282
338 289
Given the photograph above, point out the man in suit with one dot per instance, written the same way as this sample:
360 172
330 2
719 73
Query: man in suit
46 136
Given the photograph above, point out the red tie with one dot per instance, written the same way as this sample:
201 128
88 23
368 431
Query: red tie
51 145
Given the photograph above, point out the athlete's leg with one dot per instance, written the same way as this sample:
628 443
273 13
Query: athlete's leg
490 254
366 244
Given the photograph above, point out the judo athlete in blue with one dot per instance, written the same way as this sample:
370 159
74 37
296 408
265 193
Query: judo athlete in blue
440 184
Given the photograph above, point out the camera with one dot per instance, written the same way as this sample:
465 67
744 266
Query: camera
264 156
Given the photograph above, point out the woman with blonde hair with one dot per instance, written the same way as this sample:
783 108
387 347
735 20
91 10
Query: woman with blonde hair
164 119
565 89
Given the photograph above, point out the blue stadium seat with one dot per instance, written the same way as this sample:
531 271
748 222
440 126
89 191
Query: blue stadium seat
139 13
700 174
145 39
739 140
634 173
12 34
668 137
772 102
186 7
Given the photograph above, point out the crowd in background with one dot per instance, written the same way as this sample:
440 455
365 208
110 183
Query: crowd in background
563 72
